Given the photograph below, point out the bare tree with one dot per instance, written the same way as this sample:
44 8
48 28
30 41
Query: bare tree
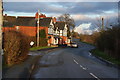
69 21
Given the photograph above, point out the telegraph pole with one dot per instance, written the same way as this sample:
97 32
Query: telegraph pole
1 24
102 23
38 35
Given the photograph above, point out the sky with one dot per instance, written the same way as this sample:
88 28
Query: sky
85 14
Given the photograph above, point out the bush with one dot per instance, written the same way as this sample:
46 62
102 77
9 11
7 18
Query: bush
43 42
16 47
109 42
42 38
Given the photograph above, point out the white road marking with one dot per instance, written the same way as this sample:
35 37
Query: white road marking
89 54
83 67
94 76
75 61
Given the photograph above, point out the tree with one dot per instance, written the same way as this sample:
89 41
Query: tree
102 23
68 20
43 40
42 33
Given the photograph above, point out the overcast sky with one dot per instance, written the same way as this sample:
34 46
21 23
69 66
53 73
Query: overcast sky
84 13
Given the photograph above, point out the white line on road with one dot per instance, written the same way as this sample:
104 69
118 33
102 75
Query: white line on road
90 54
94 76
75 61
83 67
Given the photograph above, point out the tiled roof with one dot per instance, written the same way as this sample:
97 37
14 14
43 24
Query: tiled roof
45 22
26 21
60 25
9 21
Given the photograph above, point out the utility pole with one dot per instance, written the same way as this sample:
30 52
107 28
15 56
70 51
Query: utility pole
38 35
119 13
1 24
102 23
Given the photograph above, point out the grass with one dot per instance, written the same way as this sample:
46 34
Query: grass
38 48
87 43
105 56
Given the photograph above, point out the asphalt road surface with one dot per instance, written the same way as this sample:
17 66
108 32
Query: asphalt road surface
73 63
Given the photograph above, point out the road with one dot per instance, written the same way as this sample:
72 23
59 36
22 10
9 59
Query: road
73 63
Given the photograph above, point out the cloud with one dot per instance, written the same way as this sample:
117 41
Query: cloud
62 7
60 0
32 7
81 12
84 28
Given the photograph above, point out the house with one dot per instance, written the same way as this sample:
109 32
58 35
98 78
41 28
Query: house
61 30
56 31
9 21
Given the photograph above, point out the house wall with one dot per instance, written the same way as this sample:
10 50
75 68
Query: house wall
51 40
64 39
51 28
26 30
7 29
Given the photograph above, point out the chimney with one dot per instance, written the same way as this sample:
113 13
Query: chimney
54 19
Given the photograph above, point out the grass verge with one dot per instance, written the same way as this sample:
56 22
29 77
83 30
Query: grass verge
38 48
87 43
105 56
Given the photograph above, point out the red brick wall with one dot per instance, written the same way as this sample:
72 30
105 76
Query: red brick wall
7 29
27 30
50 40
64 39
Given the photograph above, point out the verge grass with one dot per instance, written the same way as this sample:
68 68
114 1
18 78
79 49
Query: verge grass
105 56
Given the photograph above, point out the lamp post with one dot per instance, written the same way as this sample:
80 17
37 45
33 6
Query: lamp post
38 35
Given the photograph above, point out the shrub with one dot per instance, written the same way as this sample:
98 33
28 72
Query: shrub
109 42
16 47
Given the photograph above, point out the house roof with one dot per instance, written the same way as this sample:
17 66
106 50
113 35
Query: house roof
25 21
45 21
9 21
60 25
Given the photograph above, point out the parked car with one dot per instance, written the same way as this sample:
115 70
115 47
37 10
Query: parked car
74 45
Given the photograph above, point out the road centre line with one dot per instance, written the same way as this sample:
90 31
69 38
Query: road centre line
90 54
83 67
75 61
94 76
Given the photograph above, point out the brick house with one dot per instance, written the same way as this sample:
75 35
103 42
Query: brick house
56 31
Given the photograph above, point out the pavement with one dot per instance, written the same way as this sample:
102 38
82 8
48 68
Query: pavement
24 69
74 63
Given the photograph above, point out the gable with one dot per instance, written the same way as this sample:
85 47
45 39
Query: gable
60 25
